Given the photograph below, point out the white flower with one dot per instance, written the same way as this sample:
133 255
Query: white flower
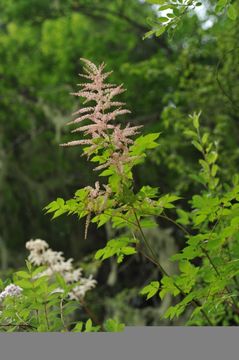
36 258
79 291
41 254
37 245
37 250
57 290
47 272
73 276
51 257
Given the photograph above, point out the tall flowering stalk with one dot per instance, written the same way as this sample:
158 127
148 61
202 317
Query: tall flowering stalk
102 131
106 142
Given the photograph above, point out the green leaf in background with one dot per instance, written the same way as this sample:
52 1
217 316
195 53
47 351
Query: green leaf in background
151 289
232 12
119 247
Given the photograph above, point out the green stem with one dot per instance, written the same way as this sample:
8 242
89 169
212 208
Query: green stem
175 223
195 302
230 258
62 316
46 316
35 298
91 314
24 326
145 240
218 274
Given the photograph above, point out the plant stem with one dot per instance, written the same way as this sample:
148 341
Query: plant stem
62 316
219 275
164 216
19 325
46 316
91 314
230 258
35 298
145 240
195 302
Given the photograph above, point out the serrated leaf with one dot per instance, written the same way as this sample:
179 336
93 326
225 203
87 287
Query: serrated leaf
151 289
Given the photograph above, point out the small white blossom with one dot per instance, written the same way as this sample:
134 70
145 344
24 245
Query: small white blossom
73 276
37 245
51 257
37 250
79 291
57 290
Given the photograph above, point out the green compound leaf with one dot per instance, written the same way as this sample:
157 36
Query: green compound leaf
151 289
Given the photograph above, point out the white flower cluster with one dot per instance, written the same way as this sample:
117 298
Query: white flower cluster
78 292
10 290
41 254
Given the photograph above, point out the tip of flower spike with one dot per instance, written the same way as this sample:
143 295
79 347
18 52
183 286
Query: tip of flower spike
83 110
89 66
84 76
88 62
71 143
74 93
